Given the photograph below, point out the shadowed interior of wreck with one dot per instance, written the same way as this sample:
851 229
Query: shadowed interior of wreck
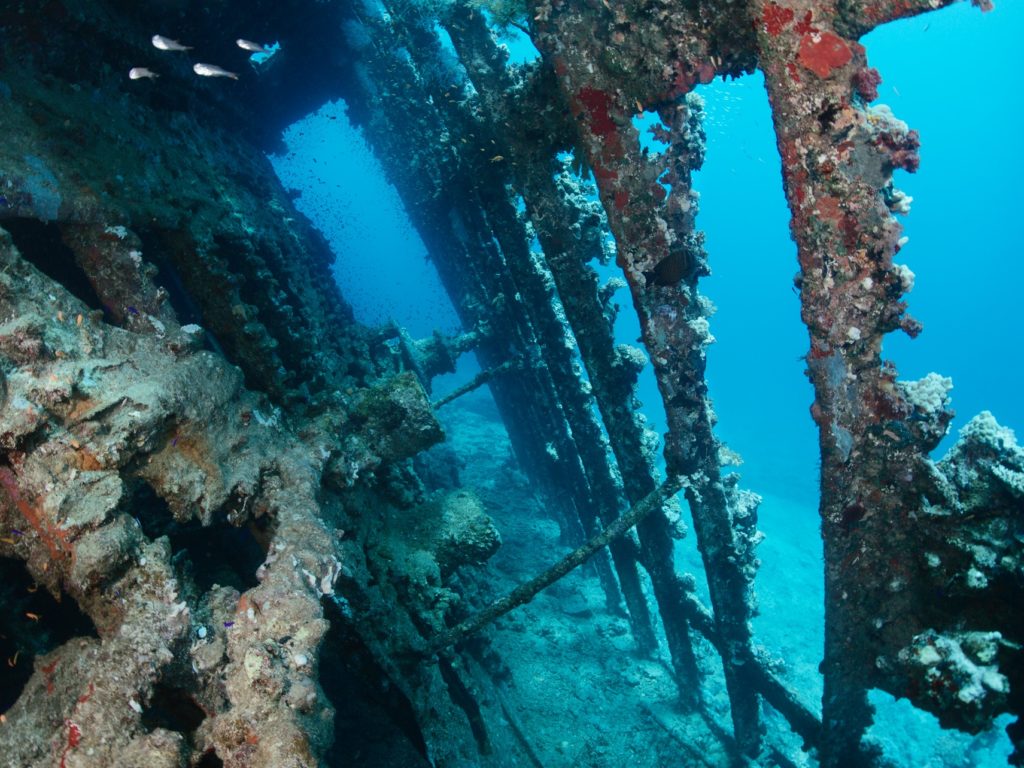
238 527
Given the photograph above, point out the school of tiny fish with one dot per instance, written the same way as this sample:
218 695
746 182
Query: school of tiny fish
168 44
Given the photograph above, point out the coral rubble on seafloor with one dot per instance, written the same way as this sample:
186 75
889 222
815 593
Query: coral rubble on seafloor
234 500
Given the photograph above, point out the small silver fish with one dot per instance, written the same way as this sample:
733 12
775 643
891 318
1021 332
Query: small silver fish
138 73
166 44
211 70
249 45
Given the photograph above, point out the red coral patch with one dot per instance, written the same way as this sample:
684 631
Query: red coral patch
605 174
804 26
866 81
822 54
48 671
902 149
598 105
829 208
74 739
682 82
776 18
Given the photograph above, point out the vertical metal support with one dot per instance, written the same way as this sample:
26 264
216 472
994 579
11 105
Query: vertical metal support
661 258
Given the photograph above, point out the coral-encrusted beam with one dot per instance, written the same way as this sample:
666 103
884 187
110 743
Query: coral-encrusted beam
661 258
838 157
531 165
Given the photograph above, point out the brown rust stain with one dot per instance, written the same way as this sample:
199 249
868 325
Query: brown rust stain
56 540
85 460
81 407
196 450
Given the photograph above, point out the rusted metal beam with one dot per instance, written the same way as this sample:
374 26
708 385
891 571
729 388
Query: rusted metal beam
528 590
838 158
570 230
661 257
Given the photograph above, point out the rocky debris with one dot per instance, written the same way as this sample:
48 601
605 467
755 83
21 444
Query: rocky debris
985 468
157 191
465 534
97 413
958 676
395 419
112 400
964 666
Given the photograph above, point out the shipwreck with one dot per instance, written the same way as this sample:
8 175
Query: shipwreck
222 537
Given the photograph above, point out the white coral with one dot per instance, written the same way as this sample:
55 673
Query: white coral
930 394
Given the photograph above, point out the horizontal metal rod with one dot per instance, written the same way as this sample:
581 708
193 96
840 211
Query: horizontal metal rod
480 379
528 590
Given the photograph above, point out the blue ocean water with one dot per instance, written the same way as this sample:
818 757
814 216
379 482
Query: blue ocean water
382 265
945 74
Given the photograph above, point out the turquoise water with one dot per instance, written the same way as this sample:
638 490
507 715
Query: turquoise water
382 265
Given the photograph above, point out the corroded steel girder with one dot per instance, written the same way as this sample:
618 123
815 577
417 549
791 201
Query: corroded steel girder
387 101
530 165
838 157
650 211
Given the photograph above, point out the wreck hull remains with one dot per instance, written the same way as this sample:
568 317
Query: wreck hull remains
176 357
